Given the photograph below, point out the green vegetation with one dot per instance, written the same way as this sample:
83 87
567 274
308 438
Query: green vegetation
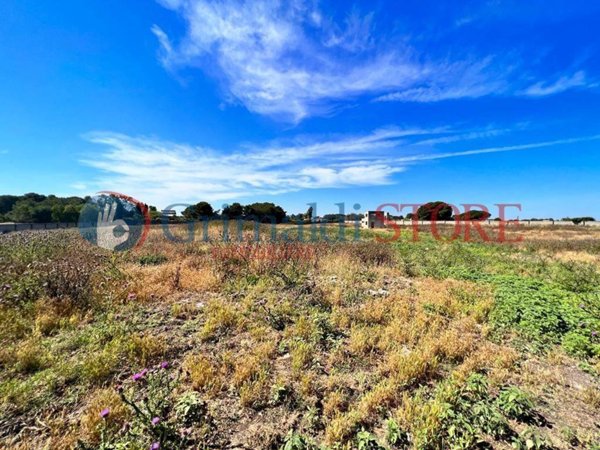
37 208
325 345
435 211
473 215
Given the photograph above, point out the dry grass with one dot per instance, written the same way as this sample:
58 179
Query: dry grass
321 339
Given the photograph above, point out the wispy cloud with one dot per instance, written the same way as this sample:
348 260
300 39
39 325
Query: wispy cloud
289 60
268 62
161 171
564 83
456 81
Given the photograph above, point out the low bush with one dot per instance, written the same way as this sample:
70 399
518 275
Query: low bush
546 314
515 404
152 259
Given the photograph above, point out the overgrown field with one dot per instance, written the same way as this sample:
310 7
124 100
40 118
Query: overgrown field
337 345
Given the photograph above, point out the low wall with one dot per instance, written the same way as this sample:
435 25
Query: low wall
532 223
529 223
10 227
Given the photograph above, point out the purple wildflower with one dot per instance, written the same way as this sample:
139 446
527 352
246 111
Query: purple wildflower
594 333
155 446
104 413
164 365
137 376
155 421
144 372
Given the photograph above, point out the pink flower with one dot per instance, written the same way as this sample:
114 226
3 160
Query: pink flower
164 365
131 296
104 413
155 446
155 421
137 376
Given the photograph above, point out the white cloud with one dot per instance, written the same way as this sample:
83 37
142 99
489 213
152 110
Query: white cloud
284 59
160 172
289 60
564 83
455 81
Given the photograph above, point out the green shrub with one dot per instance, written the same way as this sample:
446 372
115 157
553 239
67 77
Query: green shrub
366 441
546 314
296 441
395 436
530 439
153 259
515 404
577 344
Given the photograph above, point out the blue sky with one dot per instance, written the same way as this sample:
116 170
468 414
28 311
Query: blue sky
304 101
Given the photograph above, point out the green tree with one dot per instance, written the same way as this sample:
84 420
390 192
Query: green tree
435 210
198 211
473 215
7 202
264 212
233 211
22 211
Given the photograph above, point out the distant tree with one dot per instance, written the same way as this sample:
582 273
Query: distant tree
22 211
199 210
37 198
42 214
332 218
57 213
438 210
233 211
7 202
473 215
410 216
37 208
71 213
578 220
265 211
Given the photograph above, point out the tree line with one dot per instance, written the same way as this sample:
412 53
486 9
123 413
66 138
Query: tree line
38 208
259 211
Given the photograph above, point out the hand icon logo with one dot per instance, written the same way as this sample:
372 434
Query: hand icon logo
107 225
114 221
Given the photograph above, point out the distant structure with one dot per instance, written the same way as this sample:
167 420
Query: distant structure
374 219
168 213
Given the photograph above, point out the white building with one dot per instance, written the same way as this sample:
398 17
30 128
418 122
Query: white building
374 219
